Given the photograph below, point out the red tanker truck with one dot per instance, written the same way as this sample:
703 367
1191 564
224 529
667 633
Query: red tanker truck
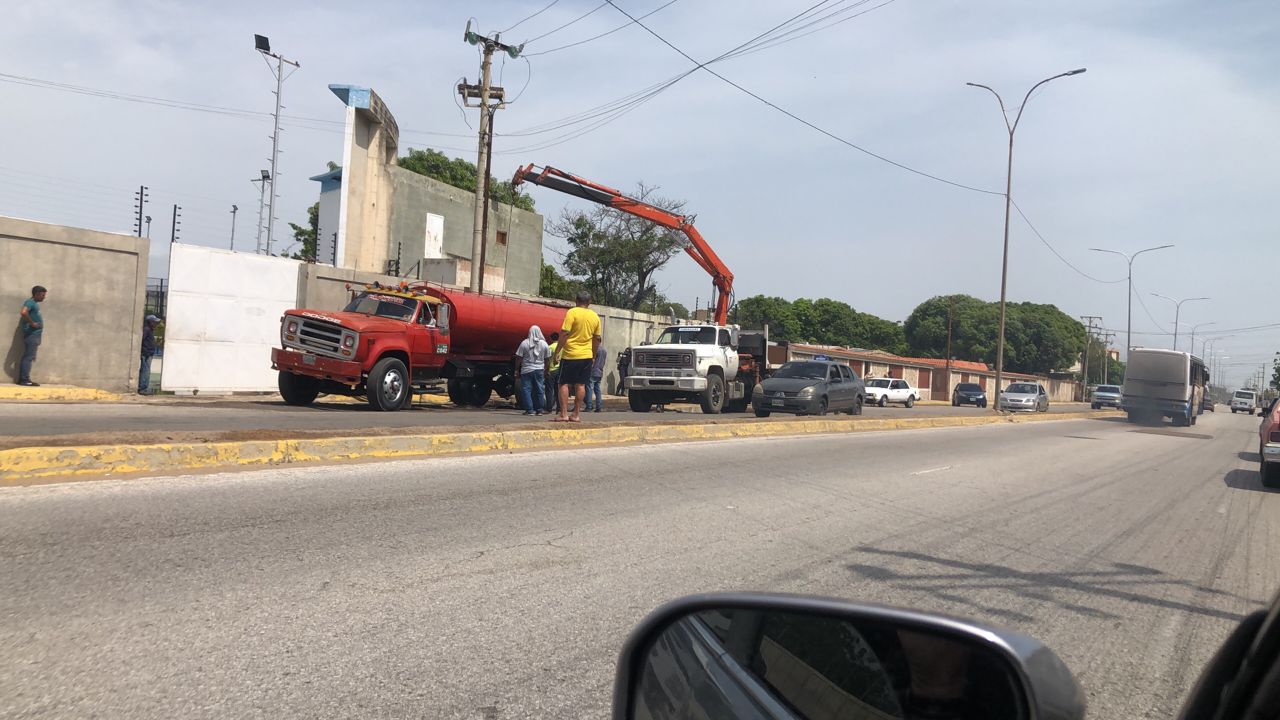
390 342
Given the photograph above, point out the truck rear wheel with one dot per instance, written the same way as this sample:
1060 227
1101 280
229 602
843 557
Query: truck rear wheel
388 385
713 397
478 392
456 394
298 389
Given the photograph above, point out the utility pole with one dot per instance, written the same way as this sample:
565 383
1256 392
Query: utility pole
173 230
234 208
262 200
263 45
483 92
140 199
1106 357
1088 342
951 309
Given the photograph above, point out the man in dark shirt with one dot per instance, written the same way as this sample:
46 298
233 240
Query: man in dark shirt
32 332
148 350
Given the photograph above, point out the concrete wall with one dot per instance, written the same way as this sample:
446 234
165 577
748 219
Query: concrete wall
517 265
322 287
97 292
224 318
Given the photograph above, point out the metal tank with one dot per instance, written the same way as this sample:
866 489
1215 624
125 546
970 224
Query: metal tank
488 325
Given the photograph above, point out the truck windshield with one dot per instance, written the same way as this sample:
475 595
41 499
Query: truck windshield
1108 389
688 336
387 306
810 370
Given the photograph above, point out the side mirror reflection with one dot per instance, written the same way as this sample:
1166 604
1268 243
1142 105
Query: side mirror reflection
809 662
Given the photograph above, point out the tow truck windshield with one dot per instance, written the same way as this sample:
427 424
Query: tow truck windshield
688 336
387 306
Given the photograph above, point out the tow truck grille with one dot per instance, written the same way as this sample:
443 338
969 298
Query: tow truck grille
320 337
656 359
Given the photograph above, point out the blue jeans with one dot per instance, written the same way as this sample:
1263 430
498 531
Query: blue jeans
31 346
531 391
144 374
593 390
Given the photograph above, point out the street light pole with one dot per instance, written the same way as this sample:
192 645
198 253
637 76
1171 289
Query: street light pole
1128 332
1008 200
1177 312
1193 336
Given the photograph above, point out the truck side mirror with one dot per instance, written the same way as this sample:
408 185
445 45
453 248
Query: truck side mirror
442 317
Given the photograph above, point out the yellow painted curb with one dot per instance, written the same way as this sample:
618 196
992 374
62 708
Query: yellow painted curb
55 393
24 464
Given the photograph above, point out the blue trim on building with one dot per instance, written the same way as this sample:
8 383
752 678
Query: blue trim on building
331 180
352 95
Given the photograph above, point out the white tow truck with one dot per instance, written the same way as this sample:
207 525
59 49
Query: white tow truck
716 366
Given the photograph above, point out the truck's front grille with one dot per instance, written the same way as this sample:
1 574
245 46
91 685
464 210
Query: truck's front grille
664 359
320 337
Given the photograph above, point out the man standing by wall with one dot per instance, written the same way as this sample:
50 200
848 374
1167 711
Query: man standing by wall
579 342
148 350
32 332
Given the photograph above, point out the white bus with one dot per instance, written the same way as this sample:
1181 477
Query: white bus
1163 384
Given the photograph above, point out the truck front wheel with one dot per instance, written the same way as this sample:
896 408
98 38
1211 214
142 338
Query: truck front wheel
713 397
298 389
639 401
388 385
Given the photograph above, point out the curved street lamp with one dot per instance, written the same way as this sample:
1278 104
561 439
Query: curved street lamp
1177 312
1128 331
1008 185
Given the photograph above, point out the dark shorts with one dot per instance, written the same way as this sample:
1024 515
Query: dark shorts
575 372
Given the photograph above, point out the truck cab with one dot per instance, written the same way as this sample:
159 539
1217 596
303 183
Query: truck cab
697 363
380 345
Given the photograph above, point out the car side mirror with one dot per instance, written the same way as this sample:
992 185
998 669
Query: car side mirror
442 318
772 656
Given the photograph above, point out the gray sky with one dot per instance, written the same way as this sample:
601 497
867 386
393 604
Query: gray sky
1168 138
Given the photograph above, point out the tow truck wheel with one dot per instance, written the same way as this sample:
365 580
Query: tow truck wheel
713 399
388 384
639 401
298 389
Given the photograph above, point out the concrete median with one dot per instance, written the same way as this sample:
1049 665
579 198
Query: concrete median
28 464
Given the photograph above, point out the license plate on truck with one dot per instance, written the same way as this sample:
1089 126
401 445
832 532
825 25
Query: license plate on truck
308 359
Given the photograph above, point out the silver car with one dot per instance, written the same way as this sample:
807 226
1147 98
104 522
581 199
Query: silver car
1106 396
1030 397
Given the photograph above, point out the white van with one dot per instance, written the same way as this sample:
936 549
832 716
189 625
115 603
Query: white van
1244 401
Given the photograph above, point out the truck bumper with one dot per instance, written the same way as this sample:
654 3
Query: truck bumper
311 365
680 384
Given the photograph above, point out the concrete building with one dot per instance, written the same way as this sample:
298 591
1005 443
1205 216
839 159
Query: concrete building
377 217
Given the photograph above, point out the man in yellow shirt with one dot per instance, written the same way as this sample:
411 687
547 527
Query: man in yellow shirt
579 341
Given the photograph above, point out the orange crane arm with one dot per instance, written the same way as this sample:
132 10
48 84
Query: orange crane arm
697 247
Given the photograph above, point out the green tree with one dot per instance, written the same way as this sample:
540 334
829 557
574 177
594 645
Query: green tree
462 174
615 255
1038 338
306 236
554 285
823 321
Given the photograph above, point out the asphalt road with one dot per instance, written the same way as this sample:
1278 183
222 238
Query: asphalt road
502 586
29 420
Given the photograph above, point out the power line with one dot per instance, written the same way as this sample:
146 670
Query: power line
583 16
548 7
1058 254
806 123
614 109
596 37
